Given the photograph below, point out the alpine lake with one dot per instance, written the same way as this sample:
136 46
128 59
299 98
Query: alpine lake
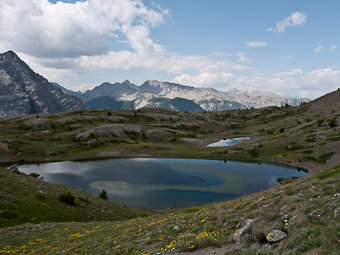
158 183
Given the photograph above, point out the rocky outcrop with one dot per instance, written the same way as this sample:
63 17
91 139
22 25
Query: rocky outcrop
275 235
243 230
22 91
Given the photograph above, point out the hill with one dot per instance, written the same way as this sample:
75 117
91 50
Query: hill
26 199
306 211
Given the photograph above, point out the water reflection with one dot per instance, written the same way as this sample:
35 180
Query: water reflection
164 183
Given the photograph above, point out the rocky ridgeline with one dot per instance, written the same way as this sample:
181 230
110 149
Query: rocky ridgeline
22 91
155 94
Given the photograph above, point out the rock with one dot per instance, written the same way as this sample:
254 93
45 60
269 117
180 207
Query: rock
176 228
14 169
243 228
276 235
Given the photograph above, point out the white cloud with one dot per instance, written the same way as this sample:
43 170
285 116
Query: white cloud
46 30
305 84
318 49
296 19
332 48
256 44
204 79
66 38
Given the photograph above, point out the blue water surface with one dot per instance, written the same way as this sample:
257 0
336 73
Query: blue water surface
186 182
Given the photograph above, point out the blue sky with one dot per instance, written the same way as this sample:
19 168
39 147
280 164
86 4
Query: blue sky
287 47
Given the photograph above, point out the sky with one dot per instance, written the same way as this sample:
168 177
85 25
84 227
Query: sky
289 47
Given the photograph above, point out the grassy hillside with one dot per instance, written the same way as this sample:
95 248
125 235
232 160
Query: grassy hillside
26 199
307 210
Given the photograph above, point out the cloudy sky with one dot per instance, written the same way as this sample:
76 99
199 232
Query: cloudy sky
285 46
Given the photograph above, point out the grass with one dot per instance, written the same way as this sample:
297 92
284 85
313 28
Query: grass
25 199
307 209
310 224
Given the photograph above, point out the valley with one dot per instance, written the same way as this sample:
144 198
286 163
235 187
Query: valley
42 122
306 137
142 127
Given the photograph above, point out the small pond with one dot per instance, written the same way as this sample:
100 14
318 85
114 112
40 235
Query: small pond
228 142
163 182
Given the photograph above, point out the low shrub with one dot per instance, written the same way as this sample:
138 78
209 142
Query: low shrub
324 157
332 123
67 198
103 195
84 199
40 197
35 175
254 152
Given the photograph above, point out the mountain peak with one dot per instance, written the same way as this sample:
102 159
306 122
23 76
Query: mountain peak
11 57
127 82
10 53
234 91
26 92
153 83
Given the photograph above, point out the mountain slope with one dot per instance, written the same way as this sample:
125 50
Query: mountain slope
175 104
106 102
254 99
208 99
116 90
23 91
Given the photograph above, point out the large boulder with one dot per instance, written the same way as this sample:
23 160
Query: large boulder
244 229
276 235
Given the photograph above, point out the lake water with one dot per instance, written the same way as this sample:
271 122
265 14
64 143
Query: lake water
161 182
228 142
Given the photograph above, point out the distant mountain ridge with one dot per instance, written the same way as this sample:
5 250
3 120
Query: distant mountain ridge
22 91
161 94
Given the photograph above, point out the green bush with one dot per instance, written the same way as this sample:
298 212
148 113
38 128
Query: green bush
67 198
324 157
103 195
9 215
332 123
35 175
40 197
310 140
253 152
84 199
